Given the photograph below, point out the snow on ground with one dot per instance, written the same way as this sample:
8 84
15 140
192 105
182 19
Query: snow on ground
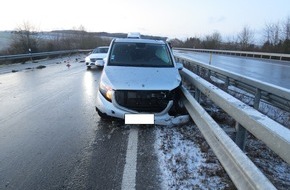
266 108
186 162
274 168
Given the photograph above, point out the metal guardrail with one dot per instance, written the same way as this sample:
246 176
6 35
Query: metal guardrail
41 54
242 171
277 56
277 96
276 136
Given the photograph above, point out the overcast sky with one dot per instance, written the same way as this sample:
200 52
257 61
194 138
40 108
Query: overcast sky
171 18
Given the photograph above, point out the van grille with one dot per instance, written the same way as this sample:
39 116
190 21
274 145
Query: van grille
144 101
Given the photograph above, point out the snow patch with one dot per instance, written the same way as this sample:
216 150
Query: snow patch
182 163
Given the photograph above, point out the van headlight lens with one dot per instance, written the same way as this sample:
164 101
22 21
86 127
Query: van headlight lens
106 91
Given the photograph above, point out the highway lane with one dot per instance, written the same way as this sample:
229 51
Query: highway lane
270 71
52 138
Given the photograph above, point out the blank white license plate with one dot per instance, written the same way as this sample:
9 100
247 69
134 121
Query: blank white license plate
137 119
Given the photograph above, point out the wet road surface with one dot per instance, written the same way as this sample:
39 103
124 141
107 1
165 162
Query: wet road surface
52 138
270 71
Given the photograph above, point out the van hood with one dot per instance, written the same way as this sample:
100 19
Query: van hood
141 78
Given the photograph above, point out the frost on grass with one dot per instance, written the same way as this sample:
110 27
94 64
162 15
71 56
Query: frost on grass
277 114
274 168
186 162
271 165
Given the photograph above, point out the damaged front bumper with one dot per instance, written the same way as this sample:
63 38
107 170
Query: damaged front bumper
112 109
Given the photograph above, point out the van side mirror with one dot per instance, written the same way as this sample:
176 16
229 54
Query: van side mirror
179 66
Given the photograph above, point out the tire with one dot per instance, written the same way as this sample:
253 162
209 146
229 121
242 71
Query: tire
88 67
179 108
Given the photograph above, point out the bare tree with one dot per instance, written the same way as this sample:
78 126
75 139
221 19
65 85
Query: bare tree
80 36
192 42
231 43
86 40
286 29
24 39
273 33
213 41
176 42
246 38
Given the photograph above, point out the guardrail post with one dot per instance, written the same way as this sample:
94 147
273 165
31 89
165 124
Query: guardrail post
197 70
227 83
241 135
197 91
257 99
209 73
197 94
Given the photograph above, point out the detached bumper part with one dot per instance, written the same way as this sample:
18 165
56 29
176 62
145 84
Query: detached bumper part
171 120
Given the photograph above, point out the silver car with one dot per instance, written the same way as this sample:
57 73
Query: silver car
98 53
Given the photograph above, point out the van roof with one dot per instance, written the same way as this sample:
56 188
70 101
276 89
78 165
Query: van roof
134 40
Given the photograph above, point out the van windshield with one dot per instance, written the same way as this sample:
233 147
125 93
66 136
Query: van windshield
140 55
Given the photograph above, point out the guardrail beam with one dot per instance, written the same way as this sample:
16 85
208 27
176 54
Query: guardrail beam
278 56
41 54
279 96
274 135
240 168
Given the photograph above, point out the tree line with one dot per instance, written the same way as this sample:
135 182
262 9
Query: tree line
26 39
276 39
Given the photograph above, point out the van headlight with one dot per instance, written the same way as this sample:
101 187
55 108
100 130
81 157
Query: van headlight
106 91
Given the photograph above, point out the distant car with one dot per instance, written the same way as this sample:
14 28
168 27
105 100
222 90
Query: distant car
140 76
97 54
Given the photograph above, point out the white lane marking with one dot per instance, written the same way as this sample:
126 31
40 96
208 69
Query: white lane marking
129 175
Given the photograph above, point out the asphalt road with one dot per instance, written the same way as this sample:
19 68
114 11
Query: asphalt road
52 138
271 71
